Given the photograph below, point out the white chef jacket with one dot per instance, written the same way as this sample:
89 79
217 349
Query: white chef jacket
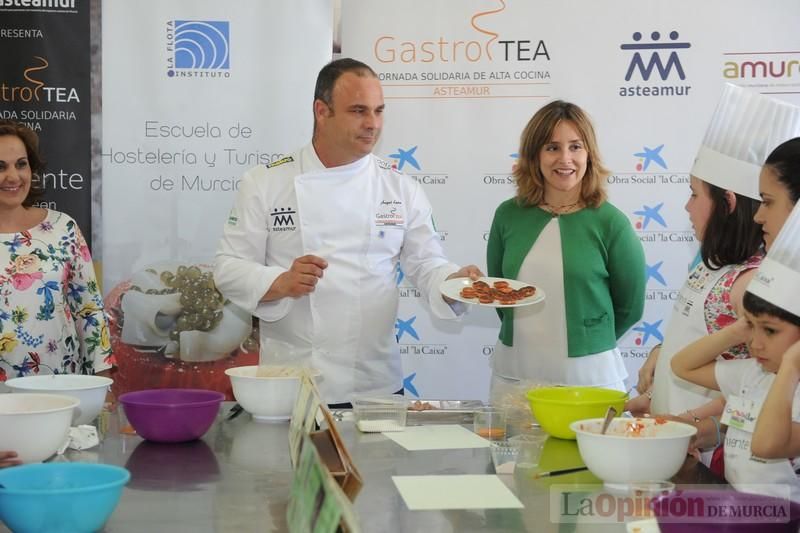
362 218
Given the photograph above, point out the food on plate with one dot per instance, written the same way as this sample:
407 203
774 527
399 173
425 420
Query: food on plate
420 406
500 291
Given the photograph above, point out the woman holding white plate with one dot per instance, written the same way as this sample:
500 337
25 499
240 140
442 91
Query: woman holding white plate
560 233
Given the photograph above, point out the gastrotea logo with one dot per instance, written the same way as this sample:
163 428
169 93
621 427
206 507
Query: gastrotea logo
198 48
655 57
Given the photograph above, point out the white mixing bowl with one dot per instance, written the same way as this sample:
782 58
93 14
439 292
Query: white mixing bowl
267 398
35 425
633 450
90 390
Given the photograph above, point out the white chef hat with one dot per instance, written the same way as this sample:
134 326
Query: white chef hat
745 128
778 277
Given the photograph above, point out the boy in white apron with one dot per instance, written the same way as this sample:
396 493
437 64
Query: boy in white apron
763 436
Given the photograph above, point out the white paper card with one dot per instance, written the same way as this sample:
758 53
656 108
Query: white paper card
437 437
427 493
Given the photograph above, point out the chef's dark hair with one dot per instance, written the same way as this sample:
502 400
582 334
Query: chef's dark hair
332 71
31 141
785 162
731 235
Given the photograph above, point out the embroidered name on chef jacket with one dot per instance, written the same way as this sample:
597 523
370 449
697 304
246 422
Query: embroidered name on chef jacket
283 218
390 213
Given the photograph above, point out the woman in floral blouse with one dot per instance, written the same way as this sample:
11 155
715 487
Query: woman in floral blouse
51 310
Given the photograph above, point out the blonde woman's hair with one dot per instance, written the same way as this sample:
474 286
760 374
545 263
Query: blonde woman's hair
537 133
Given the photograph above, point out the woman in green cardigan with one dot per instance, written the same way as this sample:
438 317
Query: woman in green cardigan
560 233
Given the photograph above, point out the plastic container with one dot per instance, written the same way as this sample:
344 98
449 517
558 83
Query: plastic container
557 407
90 390
490 422
171 415
530 448
35 425
60 497
377 414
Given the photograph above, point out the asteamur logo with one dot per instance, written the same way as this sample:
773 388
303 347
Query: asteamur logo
198 49
655 57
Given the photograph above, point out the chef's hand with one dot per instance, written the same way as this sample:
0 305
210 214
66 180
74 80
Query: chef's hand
9 459
470 271
299 280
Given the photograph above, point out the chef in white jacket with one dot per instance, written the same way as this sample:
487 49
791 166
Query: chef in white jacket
311 244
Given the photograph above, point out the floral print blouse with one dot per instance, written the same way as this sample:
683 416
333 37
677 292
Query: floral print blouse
51 311
719 311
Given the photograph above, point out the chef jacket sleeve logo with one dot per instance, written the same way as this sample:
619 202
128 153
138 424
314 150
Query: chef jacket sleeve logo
279 162
283 219
233 220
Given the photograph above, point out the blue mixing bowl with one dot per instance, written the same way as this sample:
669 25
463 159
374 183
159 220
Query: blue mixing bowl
60 497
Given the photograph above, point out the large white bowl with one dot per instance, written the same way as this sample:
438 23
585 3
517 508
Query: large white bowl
620 457
268 399
35 425
90 390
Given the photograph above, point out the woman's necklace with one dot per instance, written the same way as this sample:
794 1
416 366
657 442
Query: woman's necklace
562 209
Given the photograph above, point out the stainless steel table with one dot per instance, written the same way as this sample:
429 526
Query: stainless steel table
237 478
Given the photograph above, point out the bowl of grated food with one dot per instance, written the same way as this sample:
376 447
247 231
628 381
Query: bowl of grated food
268 392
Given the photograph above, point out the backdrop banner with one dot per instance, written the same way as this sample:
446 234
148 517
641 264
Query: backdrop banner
195 92
44 83
461 79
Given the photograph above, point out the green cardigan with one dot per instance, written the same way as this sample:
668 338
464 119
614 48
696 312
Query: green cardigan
604 270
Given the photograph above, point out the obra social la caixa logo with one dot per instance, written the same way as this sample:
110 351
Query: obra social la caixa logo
198 49
648 332
655 61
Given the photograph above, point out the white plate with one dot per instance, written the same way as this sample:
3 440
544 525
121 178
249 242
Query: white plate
452 289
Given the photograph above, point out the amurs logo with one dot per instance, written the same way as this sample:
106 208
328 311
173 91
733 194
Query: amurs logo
486 45
655 57
198 49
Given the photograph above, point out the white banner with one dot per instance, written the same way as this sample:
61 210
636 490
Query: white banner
194 93
461 79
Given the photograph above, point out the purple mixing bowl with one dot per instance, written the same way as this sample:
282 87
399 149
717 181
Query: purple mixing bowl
171 415
699 511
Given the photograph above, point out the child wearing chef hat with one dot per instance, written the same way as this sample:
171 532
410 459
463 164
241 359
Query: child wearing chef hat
762 409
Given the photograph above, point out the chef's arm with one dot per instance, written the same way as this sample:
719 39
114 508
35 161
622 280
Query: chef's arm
776 434
239 270
695 362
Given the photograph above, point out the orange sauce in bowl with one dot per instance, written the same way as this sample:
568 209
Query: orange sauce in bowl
492 433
